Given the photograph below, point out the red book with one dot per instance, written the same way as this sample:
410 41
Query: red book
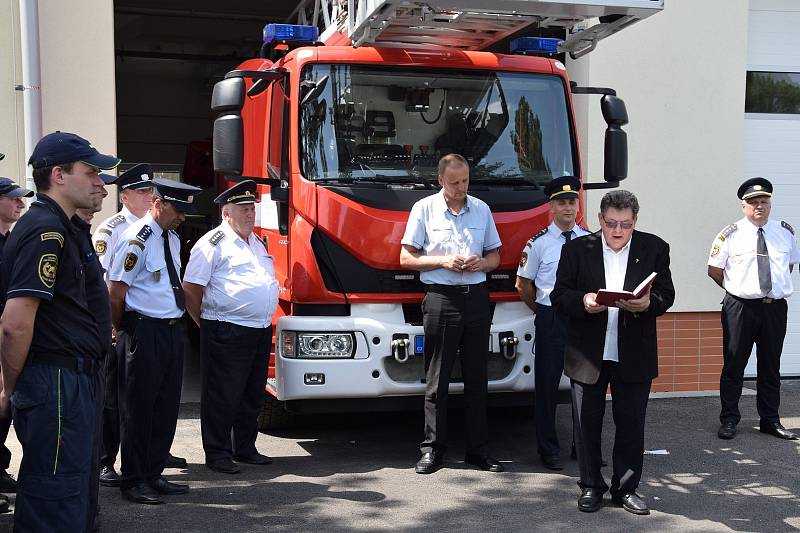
606 297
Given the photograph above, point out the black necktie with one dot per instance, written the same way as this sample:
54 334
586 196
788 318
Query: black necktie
567 235
177 288
762 258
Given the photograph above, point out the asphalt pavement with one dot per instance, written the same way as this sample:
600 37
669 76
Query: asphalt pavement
355 473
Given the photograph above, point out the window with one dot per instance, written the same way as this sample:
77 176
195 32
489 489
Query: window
773 92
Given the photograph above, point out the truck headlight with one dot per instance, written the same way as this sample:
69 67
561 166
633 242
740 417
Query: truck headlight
317 345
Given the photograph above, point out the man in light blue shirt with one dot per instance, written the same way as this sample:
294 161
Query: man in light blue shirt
451 239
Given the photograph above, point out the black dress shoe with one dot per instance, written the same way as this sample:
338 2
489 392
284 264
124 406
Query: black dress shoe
429 463
162 486
109 476
631 502
552 463
590 500
254 458
4 505
777 430
484 462
727 430
223 466
7 483
175 462
142 493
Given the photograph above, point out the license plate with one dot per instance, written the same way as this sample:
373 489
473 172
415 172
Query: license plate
419 344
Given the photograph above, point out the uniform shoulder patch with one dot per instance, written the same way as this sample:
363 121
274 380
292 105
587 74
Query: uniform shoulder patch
523 259
144 233
727 232
217 237
116 221
53 235
130 261
787 226
541 232
48 266
105 231
134 242
100 247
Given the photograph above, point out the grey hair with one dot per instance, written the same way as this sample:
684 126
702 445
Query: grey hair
620 199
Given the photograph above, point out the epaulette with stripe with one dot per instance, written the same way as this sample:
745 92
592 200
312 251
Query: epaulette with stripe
787 226
217 237
144 233
541 232
116 221
727 232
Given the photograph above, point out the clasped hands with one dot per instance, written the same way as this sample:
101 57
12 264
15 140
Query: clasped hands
460 263
637 305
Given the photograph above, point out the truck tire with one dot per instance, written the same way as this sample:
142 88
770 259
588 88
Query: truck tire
274 415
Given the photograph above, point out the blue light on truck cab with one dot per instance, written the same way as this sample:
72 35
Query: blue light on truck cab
290 32
534 45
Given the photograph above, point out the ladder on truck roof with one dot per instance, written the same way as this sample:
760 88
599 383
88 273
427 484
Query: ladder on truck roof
468 24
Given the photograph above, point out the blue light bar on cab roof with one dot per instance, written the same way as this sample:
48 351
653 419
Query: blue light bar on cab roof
534 45
290 32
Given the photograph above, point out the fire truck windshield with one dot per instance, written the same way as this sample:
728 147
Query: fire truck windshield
379 124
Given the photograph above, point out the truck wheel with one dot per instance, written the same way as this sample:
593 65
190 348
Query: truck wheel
274 414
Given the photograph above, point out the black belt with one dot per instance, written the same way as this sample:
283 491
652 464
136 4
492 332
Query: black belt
87 365
765 300
133 315
453 289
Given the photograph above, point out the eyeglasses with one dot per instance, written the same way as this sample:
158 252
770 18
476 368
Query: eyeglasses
612 224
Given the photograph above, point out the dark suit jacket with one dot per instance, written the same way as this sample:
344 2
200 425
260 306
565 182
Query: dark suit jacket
581 271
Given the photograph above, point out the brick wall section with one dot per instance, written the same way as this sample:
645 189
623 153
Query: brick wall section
689 352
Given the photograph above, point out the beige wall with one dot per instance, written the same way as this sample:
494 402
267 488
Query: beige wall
11 131
77 68
683 82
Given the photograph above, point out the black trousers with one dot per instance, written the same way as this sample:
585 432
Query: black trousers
150 356
97 442
548 367
629 405
456 325
235 363
110 414
745 323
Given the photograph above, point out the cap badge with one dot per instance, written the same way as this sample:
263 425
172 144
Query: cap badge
756 187
566 188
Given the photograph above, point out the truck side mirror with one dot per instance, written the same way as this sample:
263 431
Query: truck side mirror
228 100
615 162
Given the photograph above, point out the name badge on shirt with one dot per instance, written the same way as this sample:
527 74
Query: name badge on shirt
157 275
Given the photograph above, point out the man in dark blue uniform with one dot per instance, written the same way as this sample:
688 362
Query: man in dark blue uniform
51 340
11 206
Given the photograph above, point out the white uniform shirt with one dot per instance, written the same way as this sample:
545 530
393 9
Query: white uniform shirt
615 265
238 276
734 250
139 262
435 230
539 259
106 237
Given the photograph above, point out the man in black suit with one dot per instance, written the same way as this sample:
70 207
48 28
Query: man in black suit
613 345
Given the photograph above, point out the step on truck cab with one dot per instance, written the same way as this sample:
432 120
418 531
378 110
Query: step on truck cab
342 120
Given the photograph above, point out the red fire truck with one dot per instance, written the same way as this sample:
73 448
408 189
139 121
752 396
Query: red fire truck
344 130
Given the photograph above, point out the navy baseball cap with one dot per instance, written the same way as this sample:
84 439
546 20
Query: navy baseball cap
108 179
178 194
10 188
61 147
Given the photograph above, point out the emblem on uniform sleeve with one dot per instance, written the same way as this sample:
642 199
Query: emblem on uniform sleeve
100 247
48 266
715 250
523 259
130 261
